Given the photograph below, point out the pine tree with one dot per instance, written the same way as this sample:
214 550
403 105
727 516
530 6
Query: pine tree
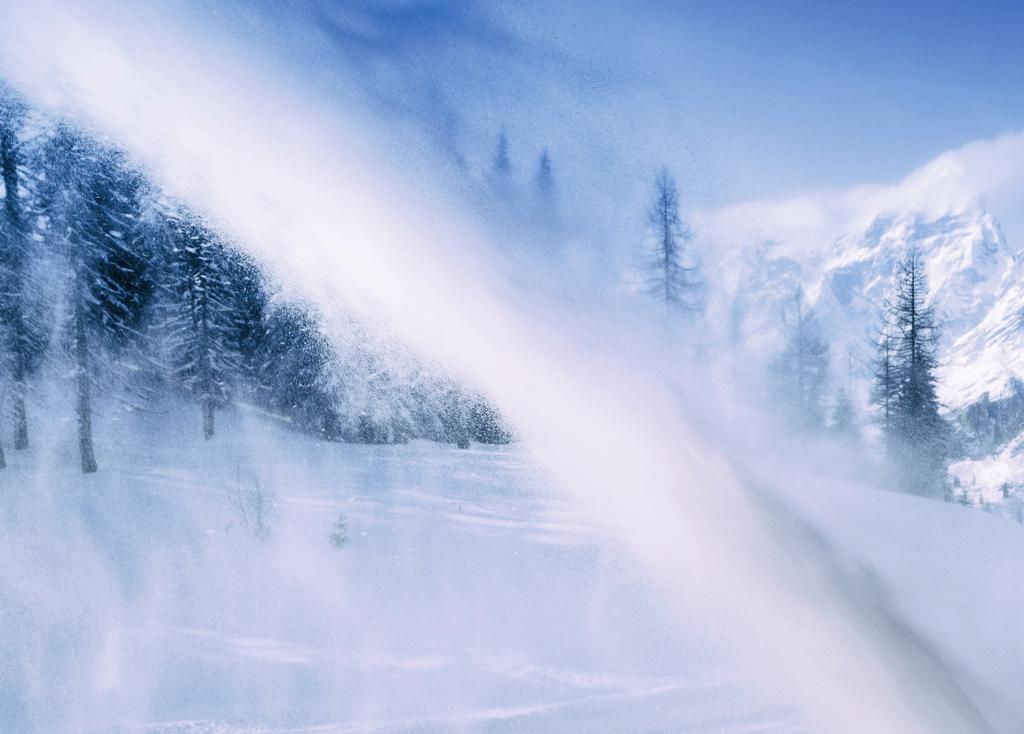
905 383
94 214
458 416
499 176
203 323
801 370
544 180
844 413
844 417
884 386
24 333
250 303
671 275
300 380
501 165
145 297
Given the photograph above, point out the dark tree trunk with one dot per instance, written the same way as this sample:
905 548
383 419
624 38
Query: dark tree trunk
207 405
462 434
199 305
205 362
83 387
19 345
85 425
20 358
20 415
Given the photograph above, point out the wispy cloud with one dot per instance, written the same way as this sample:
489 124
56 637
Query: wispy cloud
987 173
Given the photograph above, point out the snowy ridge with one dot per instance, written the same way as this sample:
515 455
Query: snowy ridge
974 280
965 254
968 265
985 357
976 283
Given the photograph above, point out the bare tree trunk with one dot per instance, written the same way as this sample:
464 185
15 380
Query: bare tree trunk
207 405
201 323
18 346
20 349
463 432
205 368
20 414
85 425
84 398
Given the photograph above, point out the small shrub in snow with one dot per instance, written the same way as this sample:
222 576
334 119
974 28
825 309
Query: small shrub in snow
256 506
339 533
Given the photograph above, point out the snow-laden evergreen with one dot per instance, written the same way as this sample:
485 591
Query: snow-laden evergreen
672 276
23 329
799 373
202 319
126 292
906 384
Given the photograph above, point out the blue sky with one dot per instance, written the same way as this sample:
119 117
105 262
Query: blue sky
835 93
743 99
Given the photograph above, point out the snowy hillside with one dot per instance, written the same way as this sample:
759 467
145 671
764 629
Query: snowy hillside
270 582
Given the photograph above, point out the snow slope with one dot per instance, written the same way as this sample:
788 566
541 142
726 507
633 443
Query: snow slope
194 587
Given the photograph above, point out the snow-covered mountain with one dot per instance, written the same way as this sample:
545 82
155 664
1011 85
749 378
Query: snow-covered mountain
970 269
976 282
966 257
971 274
986 356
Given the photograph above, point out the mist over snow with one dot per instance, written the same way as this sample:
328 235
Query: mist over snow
413 367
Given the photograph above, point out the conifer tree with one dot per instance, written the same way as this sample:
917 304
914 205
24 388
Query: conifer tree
24 335
844 414
146 296
92 205
671 274
203 324
905 388
801 370
544 180
844 417
501 165
250 303
500 174
300 376
883 386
